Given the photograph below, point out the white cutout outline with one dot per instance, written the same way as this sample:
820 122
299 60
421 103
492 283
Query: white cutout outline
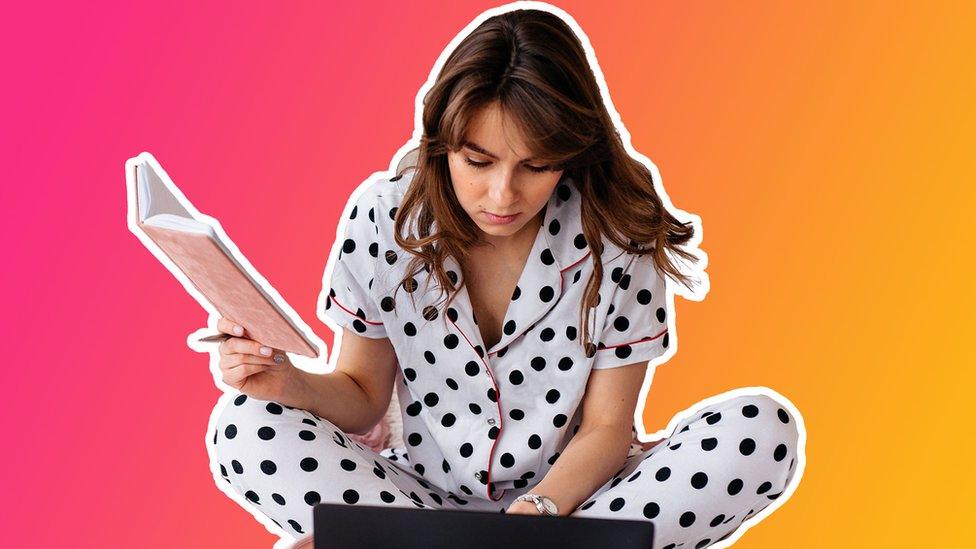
323 364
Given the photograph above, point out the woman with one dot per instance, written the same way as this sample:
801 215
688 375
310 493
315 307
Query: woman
511 286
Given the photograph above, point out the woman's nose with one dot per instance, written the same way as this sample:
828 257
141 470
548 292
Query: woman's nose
502 190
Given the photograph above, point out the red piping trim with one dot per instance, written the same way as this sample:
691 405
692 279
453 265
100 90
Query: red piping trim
634 341
334 300
575 263
491 453
561 271
498 396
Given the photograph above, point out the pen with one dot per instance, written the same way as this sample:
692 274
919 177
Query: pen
278 357
215 337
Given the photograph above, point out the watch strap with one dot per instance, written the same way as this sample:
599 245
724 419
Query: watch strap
538 500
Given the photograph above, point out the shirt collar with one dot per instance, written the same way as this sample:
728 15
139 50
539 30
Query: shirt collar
558 247
563 226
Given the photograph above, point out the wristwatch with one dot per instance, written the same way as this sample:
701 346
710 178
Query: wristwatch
545 505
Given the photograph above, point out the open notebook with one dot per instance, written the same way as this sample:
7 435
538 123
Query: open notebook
210 261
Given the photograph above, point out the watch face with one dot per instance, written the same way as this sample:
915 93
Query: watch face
549 505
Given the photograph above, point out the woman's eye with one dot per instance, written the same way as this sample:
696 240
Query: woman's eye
479 165
475 164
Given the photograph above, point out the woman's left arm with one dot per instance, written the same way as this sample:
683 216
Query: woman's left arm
600 446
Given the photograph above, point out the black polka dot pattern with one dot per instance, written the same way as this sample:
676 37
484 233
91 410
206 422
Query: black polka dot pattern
455 387
483 422
637 320
307 461
704 486
348 298
696 485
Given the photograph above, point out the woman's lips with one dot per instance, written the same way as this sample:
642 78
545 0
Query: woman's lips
500 219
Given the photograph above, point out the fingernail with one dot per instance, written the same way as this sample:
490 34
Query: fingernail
238 330
279 359
266 351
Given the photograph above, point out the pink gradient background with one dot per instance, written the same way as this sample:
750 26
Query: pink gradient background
827 148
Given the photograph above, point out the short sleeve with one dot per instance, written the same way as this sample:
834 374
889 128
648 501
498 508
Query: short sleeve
349 300
636 327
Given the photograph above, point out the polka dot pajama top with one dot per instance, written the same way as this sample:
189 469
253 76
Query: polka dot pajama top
483 425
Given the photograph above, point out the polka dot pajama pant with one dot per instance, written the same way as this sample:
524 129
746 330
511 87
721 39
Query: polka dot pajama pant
721 466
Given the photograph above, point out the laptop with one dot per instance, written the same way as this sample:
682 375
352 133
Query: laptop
340 526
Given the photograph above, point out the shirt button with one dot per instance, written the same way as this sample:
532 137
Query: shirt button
491 421
478 475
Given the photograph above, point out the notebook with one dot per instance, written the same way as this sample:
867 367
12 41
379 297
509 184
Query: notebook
338 526
208 259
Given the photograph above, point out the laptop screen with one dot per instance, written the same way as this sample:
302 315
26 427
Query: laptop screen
338 526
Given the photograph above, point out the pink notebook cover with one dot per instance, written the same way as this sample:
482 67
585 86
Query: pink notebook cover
229 289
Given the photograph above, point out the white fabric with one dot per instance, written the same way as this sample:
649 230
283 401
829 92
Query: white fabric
482 422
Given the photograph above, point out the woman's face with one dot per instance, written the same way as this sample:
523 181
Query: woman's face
495 179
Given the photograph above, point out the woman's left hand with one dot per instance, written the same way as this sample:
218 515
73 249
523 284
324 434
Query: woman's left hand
522 508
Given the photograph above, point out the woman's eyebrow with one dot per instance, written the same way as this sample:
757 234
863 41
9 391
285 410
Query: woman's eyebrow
479 149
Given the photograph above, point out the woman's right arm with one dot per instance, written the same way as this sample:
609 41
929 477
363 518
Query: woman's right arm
356 395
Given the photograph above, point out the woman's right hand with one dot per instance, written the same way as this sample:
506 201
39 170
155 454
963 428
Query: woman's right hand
256 374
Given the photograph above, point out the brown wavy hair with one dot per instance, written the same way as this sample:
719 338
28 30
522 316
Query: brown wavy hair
532 64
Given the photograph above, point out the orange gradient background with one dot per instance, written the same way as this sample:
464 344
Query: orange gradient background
827 147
